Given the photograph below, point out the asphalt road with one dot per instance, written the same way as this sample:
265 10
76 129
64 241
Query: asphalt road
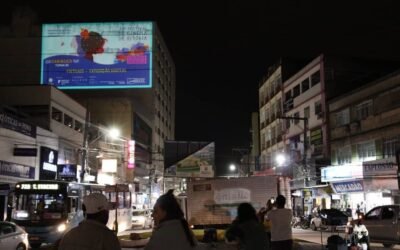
315 236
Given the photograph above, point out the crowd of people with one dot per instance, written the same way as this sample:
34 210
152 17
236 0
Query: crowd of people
269 228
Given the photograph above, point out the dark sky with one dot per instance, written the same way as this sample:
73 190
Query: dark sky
222 48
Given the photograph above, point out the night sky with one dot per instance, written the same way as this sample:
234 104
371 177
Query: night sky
222 49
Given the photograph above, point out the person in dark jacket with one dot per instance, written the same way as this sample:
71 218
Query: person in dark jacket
247 230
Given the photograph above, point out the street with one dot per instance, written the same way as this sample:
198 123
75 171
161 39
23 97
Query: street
305 239
315 237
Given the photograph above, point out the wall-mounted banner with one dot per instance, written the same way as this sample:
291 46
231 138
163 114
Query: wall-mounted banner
348 186
11 123
17 170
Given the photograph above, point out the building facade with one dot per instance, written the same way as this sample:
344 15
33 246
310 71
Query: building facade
364 141
150 112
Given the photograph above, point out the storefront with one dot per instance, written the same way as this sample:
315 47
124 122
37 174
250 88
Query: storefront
363 186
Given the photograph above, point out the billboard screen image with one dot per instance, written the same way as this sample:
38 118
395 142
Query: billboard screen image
97 55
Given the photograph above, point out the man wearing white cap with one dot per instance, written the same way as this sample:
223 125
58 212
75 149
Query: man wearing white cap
92 233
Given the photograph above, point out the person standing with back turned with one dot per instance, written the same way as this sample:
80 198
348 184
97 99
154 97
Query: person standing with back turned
281 230
92 233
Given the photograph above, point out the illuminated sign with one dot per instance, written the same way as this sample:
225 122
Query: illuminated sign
348 186
48 163
339 173
66 171
97 55
109 165
49 167
131 154
39 186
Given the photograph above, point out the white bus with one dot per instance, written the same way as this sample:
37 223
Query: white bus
48 209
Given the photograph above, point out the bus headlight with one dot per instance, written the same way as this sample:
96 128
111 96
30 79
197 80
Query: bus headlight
61 227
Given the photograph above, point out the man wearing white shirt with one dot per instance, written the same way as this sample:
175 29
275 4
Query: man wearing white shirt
281 230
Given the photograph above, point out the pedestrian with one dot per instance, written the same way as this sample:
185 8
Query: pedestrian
349 211
247 230
267 223
92 233
281 230
171 229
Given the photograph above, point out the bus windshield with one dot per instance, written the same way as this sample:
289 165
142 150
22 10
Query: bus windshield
40 207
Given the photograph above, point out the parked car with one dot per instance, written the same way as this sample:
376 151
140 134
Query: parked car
142 218
383 225
329 217
12 236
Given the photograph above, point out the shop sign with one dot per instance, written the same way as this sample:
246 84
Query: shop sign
348 186
380 167
48 163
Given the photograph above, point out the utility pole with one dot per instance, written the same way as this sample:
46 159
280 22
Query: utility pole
305 122
85 145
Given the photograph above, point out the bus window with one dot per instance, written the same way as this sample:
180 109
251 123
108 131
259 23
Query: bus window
41 206
121 199
128 199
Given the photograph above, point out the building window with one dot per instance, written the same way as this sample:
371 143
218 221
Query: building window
318 108
56 114
344 155
78 126
296 91
288 95
307 112
68 121
390 146
366 151
287 123
315 78
342 117
305 85
364 109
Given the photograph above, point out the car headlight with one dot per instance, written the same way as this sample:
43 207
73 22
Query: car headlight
61 227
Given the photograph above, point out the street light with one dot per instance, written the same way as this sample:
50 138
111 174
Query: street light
280 159
232 167
305 121
114 133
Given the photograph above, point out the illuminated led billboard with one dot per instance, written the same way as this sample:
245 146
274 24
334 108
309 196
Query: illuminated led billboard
97 55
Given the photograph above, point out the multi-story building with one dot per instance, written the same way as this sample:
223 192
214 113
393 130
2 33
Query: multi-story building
305 110
365 136
146 115
40 128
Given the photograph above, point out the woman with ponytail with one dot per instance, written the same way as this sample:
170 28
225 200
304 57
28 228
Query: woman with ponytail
172 231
